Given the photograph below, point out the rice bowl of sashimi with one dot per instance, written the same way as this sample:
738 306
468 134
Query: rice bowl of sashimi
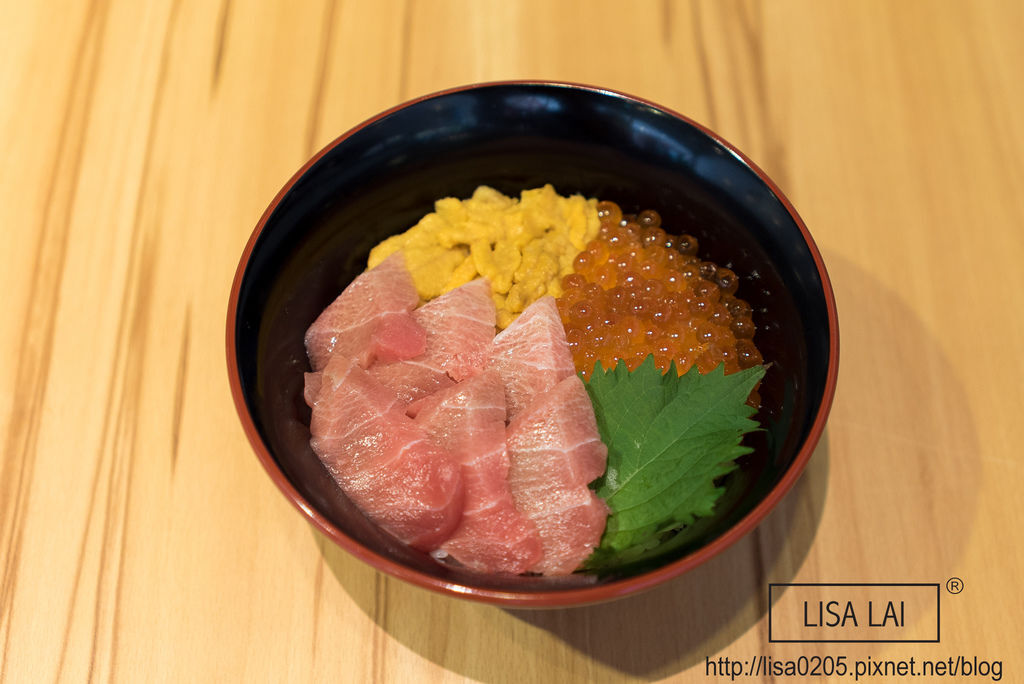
470 341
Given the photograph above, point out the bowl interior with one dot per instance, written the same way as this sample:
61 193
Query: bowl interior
381 178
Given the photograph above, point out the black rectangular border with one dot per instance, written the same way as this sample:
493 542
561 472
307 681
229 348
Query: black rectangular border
938 613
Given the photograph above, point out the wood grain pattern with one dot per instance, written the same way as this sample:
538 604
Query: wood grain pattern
140 539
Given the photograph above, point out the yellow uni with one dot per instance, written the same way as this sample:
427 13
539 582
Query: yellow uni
524 246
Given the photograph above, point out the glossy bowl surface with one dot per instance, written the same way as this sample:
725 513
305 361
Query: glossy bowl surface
382 176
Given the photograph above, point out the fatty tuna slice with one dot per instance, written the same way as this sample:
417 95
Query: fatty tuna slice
459 328
371 319
383 461
411 380
556 452
469 420
311 387
531 354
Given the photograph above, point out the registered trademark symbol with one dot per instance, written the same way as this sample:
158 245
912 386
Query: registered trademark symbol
954 585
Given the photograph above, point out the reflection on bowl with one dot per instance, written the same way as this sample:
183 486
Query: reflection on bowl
381 177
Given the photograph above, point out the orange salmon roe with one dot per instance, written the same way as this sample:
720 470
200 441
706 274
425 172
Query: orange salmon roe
637 290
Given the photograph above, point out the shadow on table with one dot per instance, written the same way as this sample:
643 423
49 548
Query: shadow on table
652 635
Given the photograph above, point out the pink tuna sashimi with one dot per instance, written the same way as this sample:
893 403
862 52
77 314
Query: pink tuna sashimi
459 329
469 420
531 355
383 461
556 452
311 387
411 380
371 319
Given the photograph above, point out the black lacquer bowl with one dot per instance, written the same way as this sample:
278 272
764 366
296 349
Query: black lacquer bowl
382 176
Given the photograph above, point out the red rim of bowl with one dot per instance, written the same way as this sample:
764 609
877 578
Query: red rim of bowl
548 598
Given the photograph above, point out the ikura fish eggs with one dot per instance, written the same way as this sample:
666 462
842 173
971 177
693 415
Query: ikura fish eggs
636 290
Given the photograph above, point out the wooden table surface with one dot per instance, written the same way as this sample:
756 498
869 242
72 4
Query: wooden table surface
140 539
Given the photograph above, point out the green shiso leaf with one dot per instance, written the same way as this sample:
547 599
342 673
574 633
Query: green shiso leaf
670 438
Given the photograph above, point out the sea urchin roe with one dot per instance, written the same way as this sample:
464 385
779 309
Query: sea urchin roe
636 290
522 246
